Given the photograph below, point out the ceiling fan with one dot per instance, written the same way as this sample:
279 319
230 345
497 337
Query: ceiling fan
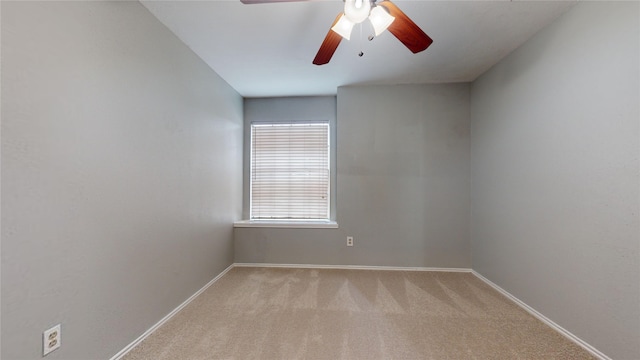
383 15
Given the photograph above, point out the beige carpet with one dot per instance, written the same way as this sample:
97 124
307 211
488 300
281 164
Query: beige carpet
267 313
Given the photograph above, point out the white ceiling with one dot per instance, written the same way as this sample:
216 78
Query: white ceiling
265 50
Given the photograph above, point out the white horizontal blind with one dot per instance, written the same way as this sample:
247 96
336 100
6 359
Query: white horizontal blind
290 171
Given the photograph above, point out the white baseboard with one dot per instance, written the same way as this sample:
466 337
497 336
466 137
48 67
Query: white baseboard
137 341
351 267
592 350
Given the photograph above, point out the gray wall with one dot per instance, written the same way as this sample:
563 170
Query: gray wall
402 184
555 173
121 175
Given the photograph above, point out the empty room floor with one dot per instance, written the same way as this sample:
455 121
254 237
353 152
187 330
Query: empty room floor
284 313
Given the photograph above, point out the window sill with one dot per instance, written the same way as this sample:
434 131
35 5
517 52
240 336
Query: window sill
286 224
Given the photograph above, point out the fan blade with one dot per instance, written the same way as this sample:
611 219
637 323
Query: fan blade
329 45
405 29
250 2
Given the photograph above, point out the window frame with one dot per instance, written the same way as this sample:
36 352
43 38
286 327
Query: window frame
288 109
251 166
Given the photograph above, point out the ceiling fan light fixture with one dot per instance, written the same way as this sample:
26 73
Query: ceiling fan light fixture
380 19
357 11
343 27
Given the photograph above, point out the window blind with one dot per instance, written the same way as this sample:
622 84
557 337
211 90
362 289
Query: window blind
290 171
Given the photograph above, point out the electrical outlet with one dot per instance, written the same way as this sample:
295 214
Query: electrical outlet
349 240
50 340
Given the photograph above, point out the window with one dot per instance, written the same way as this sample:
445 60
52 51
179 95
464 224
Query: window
290 175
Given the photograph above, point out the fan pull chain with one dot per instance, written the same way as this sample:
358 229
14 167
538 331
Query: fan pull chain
361 53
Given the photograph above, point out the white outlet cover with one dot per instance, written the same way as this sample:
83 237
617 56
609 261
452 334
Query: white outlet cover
50 340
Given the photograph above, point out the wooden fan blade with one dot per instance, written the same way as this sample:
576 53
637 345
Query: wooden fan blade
251 2
405 29
329 45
